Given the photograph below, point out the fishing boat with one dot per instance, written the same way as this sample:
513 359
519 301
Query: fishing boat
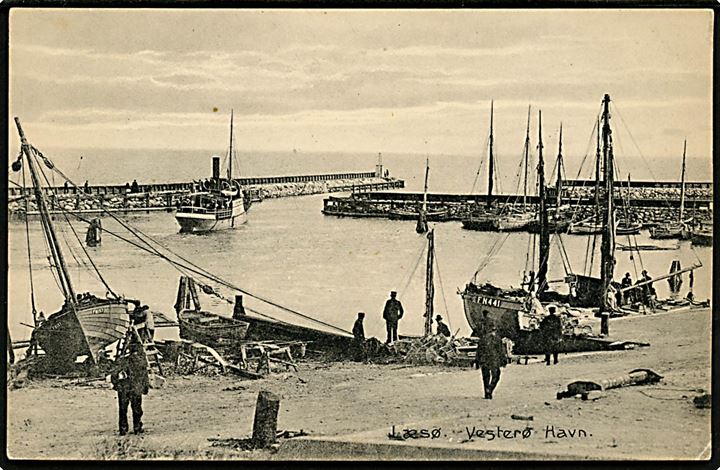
678 229
85 324
202 326
220 205
518 218
198 324
505 307
585 227
482 218
702 237
626 226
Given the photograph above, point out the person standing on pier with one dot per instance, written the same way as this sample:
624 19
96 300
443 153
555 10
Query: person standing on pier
358 332
551 335
392 313
130 380
490 357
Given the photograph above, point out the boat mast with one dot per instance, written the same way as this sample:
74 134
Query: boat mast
429 286
682 184
527 152
544 249
608 235
558 185
491 166
421 226
425 189
597 173
48 228
230 157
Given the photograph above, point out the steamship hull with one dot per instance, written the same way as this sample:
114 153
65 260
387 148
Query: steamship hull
198 222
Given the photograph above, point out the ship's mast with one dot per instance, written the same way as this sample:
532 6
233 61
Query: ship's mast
429 286
544 248
491 164
597 172
230 157
527 152
558 184
607 246
48 228
421 226
682 184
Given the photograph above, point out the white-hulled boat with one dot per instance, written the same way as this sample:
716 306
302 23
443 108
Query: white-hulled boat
219 206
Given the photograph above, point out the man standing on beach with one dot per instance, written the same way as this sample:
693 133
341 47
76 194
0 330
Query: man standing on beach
358 332
130 380
490 356
551 334
392 313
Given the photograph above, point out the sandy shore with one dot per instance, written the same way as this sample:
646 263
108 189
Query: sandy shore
362 402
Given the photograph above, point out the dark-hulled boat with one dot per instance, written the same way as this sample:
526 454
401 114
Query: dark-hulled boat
85 324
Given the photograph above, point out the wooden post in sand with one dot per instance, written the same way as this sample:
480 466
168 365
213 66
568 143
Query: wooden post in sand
265 424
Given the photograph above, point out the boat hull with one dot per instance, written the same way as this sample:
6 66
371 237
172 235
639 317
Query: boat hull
432 216
261 329
585 229
512 223
211 329
481 223
203 223
67 334
665 232
628 229
702 238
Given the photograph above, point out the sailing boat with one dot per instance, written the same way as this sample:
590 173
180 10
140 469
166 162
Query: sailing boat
501 306
626 226
680 228
505 307
85 324
219 206
558 221
592 225
514 219
483 219
421 214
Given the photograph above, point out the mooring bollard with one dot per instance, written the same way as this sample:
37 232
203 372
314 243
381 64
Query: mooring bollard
265 424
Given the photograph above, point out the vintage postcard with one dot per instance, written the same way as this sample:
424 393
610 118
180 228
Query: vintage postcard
306 234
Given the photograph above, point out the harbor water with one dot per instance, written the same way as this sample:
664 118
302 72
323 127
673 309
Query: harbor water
325 267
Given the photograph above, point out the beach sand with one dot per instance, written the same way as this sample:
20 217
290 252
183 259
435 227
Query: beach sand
353 403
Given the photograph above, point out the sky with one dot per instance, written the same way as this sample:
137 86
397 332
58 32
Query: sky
413 81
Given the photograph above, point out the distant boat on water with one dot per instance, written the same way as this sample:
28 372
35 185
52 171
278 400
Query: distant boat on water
220 205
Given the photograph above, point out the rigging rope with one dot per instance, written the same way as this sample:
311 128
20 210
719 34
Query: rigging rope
442 292
412 273
197 269
29 258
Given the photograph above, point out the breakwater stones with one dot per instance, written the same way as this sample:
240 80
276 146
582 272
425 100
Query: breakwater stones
170 199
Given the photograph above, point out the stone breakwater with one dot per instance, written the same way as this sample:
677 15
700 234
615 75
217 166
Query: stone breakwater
169 199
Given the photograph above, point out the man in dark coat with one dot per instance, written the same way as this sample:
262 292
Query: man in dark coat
551 335
130 380
490 356
358 332
392 313
442 328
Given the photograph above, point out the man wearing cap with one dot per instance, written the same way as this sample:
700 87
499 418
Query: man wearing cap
392 313
551 335
130 380
490 356
442 328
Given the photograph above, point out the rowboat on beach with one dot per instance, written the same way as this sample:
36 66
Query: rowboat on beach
211 329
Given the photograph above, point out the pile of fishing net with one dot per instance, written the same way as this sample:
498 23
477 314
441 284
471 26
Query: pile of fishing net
435 350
